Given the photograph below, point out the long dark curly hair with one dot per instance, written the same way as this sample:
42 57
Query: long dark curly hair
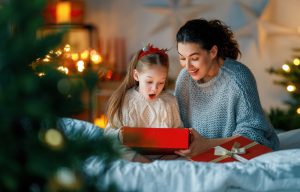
209 33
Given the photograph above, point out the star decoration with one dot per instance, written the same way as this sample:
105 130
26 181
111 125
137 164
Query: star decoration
259 27
176 14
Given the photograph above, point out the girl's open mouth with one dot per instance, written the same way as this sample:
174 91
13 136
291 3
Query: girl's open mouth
152 96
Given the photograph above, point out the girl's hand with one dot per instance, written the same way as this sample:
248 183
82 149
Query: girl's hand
198 145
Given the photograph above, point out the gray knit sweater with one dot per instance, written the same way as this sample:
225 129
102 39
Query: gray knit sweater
225 106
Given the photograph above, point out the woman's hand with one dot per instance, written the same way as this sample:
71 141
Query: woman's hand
198 144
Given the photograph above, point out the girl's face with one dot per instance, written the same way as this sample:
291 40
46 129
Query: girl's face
151 81
199 63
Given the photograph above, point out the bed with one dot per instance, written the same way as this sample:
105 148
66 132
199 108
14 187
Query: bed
276 171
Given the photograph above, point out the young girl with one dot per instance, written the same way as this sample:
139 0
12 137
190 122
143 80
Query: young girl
140 101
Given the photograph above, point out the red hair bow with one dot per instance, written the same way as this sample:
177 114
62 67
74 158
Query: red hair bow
149 49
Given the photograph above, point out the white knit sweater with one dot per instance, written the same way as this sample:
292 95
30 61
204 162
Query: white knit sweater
162 112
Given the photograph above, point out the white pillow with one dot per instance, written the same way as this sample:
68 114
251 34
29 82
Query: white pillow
289 139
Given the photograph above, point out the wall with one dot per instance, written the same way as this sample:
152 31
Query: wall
271 34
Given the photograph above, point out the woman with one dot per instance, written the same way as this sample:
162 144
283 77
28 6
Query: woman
217 95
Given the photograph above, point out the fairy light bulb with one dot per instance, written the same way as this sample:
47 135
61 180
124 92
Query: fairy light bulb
46 60
286 68
41 74
298 111
291 88
296 61
53 138
80 66
74 56
84 55
63 69
67 48
96 59
58 52
67 178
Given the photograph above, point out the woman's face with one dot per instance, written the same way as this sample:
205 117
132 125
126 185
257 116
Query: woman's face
199 62
151 81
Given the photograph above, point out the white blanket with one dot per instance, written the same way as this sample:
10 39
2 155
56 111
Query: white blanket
276 171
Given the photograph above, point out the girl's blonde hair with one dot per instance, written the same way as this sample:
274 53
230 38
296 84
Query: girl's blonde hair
142 60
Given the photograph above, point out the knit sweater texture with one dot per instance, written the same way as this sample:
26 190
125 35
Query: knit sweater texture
137 111
225 106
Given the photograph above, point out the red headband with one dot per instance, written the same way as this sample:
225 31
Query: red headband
149 49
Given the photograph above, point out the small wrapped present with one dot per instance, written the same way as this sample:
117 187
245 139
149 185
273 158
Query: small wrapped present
156 140
239 149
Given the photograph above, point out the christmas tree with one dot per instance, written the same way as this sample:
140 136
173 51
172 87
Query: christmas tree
35 155
288 118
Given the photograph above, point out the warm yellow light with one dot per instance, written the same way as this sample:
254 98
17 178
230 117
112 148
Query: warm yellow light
84 55
80 66
296 61
46 59
291 88
286 68
298 110
96 59
63 69
101 121
74 56
53 138
67 48
63 12
58 52
41 74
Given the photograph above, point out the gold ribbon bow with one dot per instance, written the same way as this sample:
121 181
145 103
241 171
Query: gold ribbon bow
235 152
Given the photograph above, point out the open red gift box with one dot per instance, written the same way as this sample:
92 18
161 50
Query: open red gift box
156 140
238 149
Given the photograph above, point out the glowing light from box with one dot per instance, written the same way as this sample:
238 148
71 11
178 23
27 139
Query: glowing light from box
298 111
286 68
80 66
101 121
296 61
63 12
291 88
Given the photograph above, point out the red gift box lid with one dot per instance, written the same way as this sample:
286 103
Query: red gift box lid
156 140
254 150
